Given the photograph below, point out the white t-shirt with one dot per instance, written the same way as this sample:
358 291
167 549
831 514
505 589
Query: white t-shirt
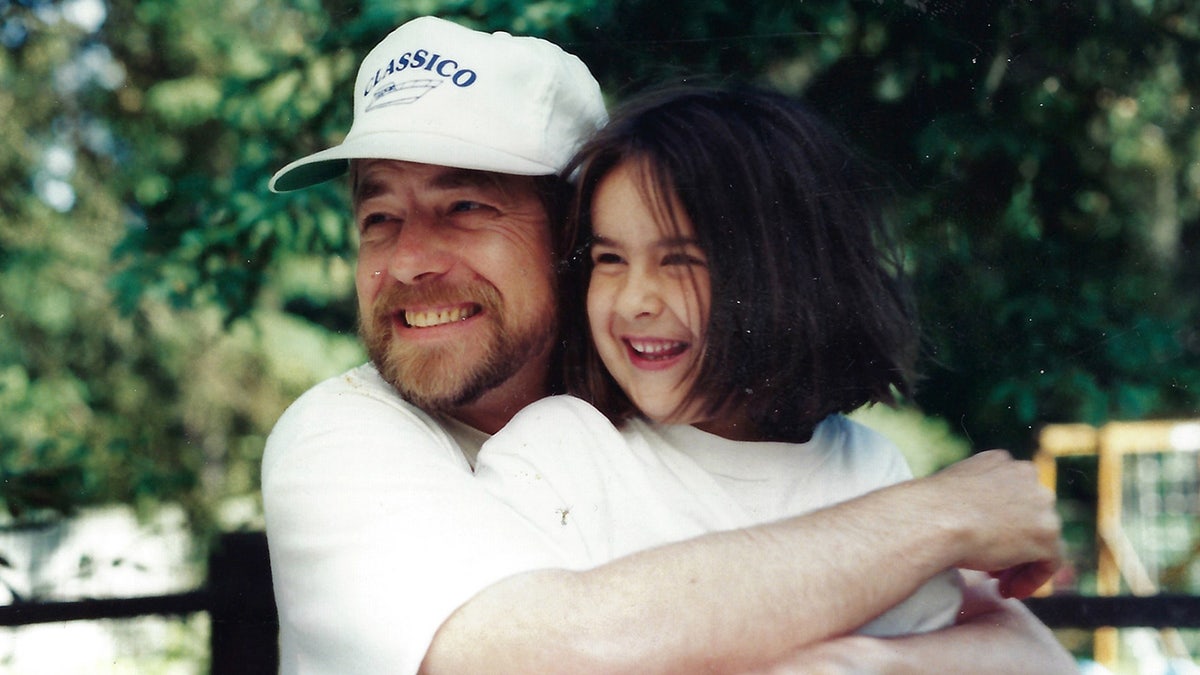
378 529
601 493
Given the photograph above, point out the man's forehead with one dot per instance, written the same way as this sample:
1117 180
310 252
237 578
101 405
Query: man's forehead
377 176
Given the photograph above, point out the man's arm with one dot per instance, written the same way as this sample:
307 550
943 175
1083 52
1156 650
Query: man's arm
735 601
994 636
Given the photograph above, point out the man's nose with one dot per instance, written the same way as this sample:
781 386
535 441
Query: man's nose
419 251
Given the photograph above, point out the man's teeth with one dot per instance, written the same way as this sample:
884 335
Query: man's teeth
657 348
430 318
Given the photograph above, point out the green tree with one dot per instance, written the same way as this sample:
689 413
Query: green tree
1047 156
165 400
1048 163
159 306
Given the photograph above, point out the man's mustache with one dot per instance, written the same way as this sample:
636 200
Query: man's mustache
398 297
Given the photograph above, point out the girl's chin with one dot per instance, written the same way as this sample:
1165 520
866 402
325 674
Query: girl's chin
665 415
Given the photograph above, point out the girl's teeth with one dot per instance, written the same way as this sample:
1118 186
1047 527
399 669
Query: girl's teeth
657 348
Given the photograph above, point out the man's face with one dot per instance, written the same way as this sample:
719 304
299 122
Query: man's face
455 281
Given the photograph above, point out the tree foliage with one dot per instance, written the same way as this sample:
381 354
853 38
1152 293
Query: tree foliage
121 378
1048 159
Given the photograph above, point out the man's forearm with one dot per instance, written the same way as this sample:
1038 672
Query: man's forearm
735 601
721 603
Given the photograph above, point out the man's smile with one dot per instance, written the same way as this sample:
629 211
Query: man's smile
428 318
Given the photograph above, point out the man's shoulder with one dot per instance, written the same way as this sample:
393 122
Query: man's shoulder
356 411
359 389
362 380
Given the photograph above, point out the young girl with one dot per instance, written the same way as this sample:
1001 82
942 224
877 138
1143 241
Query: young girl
741 295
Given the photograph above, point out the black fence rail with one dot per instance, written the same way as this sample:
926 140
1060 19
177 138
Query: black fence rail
1120 611
244 625
237 596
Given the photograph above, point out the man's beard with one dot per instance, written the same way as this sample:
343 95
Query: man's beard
444 377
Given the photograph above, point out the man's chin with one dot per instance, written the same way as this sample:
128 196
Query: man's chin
430 384
446 377
435 400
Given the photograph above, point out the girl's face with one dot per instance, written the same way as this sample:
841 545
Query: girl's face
648 297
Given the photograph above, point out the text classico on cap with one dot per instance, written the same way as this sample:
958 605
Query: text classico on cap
439 93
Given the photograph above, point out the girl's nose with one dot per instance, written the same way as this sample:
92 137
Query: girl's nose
639 296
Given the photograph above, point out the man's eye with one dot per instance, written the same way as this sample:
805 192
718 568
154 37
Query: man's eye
372 219
466 205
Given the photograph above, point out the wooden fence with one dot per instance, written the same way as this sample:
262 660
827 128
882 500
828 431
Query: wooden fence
1121 567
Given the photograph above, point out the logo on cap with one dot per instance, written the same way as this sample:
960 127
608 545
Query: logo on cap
407 92
413 90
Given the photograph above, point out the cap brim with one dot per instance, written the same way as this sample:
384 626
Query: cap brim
405 146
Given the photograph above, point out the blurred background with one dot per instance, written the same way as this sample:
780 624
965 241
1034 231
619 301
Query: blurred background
159 308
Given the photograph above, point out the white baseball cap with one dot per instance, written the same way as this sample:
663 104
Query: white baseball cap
438 93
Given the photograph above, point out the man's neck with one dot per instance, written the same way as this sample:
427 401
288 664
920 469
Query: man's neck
495 408
489 416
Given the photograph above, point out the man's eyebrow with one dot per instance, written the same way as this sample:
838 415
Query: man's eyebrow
367 188
460 178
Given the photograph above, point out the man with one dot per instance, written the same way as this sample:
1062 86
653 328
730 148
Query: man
388 557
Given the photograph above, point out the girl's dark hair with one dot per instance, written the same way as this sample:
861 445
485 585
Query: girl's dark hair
810 311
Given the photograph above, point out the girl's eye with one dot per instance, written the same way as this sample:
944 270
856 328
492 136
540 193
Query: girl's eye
683 258
605 258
